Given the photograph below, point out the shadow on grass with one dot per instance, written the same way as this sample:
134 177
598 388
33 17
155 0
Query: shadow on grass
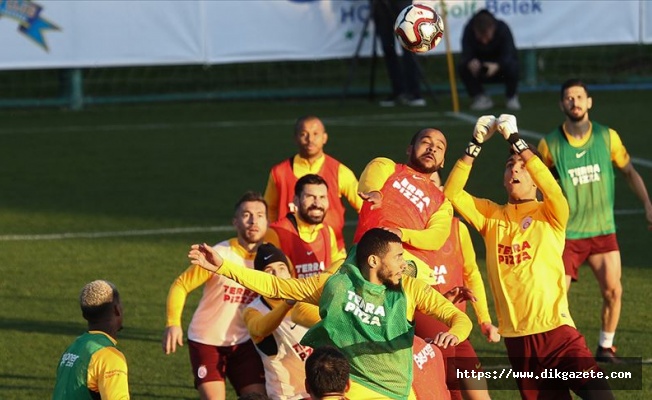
30 377
54 328
75 329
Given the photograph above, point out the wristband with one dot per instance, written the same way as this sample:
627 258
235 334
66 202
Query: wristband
473 148
519 145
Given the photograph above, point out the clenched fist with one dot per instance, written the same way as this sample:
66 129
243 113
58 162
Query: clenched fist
506 125
484 128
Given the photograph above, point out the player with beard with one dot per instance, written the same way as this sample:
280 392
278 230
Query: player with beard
403 199
219 343
310 136
582 153
303 236
367 309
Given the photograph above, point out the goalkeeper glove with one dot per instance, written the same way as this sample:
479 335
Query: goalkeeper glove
507 127
483 130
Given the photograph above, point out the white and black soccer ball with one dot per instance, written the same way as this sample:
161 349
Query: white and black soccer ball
419 28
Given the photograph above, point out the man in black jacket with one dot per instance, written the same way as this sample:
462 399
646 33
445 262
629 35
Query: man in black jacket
489 56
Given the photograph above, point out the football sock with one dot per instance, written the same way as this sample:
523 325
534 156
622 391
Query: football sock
606 339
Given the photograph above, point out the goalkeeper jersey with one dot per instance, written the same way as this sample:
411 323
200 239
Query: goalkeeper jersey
524 244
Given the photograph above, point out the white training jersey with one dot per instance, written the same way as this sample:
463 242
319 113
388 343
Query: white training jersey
218 321
283 358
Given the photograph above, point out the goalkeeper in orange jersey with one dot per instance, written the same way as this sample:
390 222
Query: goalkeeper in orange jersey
524 240
367 308
457 274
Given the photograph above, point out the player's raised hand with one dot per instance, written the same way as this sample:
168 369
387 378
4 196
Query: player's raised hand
483 130
205 256
507 127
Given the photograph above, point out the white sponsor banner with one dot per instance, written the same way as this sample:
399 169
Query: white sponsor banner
258 30
89 33
552 23
85 33
646 21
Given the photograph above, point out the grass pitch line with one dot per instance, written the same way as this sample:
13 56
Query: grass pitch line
536 135
167 231
352 120
97 235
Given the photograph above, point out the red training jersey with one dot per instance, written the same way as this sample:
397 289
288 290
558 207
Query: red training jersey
286 180
410 198
308 258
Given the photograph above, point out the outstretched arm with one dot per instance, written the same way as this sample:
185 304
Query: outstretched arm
305 314
268 285
465 204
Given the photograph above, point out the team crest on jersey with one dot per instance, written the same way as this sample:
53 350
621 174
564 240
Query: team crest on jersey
527 221
410 268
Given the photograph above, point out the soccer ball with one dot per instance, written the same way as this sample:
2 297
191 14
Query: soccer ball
418 28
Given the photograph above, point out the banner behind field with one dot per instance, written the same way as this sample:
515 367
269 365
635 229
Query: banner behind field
72 33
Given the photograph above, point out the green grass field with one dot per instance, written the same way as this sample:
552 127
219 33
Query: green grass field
121 192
